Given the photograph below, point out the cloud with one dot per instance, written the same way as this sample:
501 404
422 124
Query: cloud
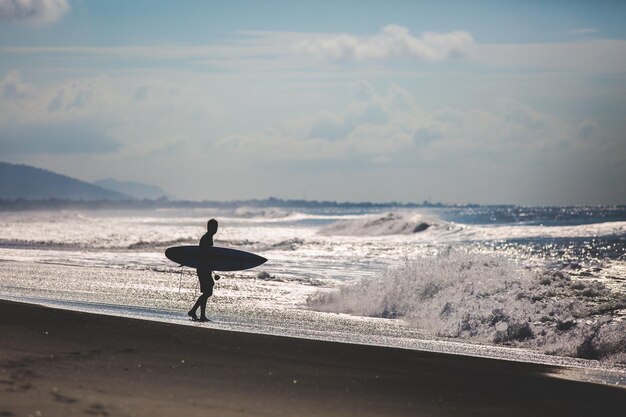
393 42
391 127
98 114
597 56
373 126
137 123
425 135
12 88
56 138
361 91
25 103
33 12
268 53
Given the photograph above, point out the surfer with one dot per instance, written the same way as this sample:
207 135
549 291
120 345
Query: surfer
205 275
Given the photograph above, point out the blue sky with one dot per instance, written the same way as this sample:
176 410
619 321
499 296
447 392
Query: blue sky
488 102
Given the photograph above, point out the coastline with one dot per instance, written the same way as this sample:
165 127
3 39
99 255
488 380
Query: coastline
61 362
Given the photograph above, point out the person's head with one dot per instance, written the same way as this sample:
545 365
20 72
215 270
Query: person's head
211 226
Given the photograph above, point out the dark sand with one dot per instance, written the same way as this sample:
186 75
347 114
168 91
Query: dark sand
63 363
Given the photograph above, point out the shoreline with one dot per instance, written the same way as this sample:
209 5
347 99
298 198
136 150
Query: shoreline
578 369
62 362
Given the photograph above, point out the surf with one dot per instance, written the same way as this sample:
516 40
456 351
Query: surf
488 298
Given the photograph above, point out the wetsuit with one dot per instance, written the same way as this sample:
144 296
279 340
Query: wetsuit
205 276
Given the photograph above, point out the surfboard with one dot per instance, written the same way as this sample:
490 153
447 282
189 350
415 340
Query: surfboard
214 258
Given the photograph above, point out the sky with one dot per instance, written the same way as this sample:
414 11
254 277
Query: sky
490 102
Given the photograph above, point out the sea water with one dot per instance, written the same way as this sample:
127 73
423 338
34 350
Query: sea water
543 284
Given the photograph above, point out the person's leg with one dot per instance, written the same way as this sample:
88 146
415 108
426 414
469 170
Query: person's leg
202 277
192 312
205 297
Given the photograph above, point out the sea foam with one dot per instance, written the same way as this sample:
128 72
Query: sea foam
490 299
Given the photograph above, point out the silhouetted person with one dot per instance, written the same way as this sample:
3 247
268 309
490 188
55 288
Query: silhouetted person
205 275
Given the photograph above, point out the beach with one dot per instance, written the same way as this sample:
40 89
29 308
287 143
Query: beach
58 362
312 209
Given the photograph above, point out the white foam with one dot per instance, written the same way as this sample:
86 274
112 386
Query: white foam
490 299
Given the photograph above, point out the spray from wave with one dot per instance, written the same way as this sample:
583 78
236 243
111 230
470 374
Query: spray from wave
490 299
265 213
381 225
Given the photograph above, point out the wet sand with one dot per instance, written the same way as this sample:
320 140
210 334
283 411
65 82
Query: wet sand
64 363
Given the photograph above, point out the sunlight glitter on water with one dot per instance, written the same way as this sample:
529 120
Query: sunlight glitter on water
113 260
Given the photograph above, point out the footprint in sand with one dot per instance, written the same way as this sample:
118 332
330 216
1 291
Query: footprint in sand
97 410
63 398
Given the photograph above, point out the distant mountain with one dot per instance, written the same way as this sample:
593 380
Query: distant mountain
136 190
30 183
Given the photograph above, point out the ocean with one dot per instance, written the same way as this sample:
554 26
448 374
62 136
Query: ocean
538 284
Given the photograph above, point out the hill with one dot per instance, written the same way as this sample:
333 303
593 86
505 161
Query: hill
30 183
136 190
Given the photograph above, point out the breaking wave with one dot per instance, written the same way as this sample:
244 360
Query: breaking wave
265 213
412 223
158 244
489 299
382 225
